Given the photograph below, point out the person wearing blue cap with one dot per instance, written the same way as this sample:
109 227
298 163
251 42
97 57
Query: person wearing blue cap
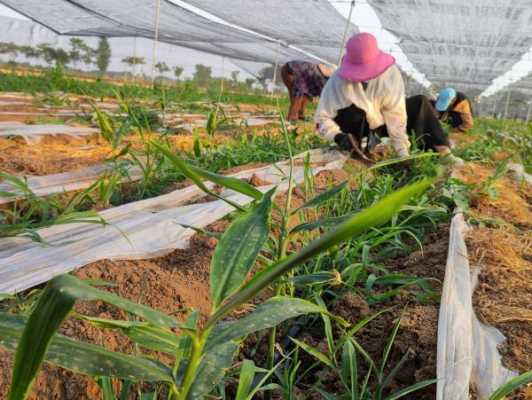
454 108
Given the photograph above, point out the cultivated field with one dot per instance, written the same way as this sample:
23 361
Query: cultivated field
181 243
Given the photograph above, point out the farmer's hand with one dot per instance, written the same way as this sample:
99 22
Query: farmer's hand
343 141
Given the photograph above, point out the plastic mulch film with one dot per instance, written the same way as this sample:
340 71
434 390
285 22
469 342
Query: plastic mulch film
176 26
138 230
467 349
80 179
519 173
33 133
461 43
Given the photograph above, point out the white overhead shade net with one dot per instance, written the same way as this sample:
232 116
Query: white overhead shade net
136 18
63 17
460 43
312 25
523 86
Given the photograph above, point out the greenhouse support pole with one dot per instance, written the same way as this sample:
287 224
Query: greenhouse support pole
275 67
134 56
155 38
507 105
494 107
344 39
222 80
529 111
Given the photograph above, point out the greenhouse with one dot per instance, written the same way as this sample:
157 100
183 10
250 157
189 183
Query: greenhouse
266 199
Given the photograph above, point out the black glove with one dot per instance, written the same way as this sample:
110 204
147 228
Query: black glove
343 142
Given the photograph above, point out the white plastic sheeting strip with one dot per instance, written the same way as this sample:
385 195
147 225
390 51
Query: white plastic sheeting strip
467 349
248 122
519 173
139 230
47 185
32 133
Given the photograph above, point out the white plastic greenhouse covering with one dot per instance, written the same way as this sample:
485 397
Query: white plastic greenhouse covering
285 22
461 43
312 25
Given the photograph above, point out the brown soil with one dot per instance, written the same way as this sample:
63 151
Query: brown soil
511 203
417 334
174 283
462 140
54 154
503 297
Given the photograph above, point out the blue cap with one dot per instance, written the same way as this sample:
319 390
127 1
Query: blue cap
445 98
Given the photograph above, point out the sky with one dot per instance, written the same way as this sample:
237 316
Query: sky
363 16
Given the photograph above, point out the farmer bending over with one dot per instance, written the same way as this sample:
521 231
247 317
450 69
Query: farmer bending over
304 80
454 108
365 97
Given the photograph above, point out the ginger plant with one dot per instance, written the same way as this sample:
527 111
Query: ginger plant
200 353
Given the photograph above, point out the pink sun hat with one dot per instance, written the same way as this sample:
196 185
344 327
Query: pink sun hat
363 59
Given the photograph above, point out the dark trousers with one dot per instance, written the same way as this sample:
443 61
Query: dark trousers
422 122
297 103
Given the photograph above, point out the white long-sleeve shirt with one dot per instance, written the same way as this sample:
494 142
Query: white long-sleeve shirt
383 101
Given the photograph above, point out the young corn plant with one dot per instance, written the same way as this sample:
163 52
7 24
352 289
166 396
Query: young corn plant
200 353
32 212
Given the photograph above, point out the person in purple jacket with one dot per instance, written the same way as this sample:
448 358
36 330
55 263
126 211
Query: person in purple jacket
304 80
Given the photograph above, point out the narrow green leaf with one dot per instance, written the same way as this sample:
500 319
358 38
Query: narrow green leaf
316 278
245 379
106 386
3 193
389 344
197 147
202 231
212 369
67 284
326 396
55 303
85 358
373 216
511 385
410 389
323 197
237 250
389 378
365 354
267 315
314 353
5 296
349 368
148 396
197 174
321 223
212 122
51 309
362 323
151 337
124 392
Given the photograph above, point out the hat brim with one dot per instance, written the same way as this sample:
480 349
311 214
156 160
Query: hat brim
366 72
443 104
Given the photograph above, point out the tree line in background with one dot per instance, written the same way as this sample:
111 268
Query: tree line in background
80 53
